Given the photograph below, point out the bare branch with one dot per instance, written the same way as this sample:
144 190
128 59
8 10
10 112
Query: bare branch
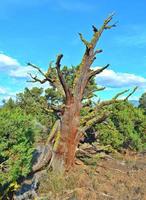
59 57
101 88
98 51
105 26
54 81
94 29
109 102
37 68
100 105
61 78
121 93
94 120
110 26
36 79
84 73
109 18
133 91
107 22
86 43
98 71
115 99
89 120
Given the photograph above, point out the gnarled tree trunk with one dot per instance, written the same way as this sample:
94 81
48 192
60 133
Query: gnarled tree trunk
67 136
65 147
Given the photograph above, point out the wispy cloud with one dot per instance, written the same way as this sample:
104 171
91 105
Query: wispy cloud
112 79
14 71
21 72
108 78
7 63
12 67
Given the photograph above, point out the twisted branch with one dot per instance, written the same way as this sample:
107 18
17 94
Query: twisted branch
61 78
35 78
84 73
133 91
54 81
94 120
98 71
86 43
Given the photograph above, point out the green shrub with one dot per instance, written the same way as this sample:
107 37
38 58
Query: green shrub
16 136
126 127
109 135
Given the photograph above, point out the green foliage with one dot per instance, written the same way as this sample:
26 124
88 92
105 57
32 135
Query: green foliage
109 135
25 121
10 104
142 102
34 102
53 97
16 134
69 74
126 127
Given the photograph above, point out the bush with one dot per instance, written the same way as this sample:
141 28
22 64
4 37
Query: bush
142 102
16 136
109 135
126 127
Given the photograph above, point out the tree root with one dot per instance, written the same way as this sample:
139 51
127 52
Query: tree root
43 160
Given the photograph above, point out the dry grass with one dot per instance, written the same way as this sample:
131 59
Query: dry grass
108 179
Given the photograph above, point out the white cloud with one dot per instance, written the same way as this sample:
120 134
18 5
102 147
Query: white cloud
7 62
13 67
108 78
21 72
112 79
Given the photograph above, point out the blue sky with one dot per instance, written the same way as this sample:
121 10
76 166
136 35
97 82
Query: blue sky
37 30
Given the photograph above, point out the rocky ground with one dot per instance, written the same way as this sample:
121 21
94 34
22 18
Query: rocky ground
114 177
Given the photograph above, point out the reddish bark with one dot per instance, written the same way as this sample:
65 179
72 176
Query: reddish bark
70 123
64 153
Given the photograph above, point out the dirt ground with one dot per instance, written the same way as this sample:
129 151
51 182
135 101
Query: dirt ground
123 179
120 177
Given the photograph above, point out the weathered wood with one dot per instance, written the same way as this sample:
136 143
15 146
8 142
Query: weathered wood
68 135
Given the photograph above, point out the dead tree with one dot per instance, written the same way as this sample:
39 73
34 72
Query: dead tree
65 137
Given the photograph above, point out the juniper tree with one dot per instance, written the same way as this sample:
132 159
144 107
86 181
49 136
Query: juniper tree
67 131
